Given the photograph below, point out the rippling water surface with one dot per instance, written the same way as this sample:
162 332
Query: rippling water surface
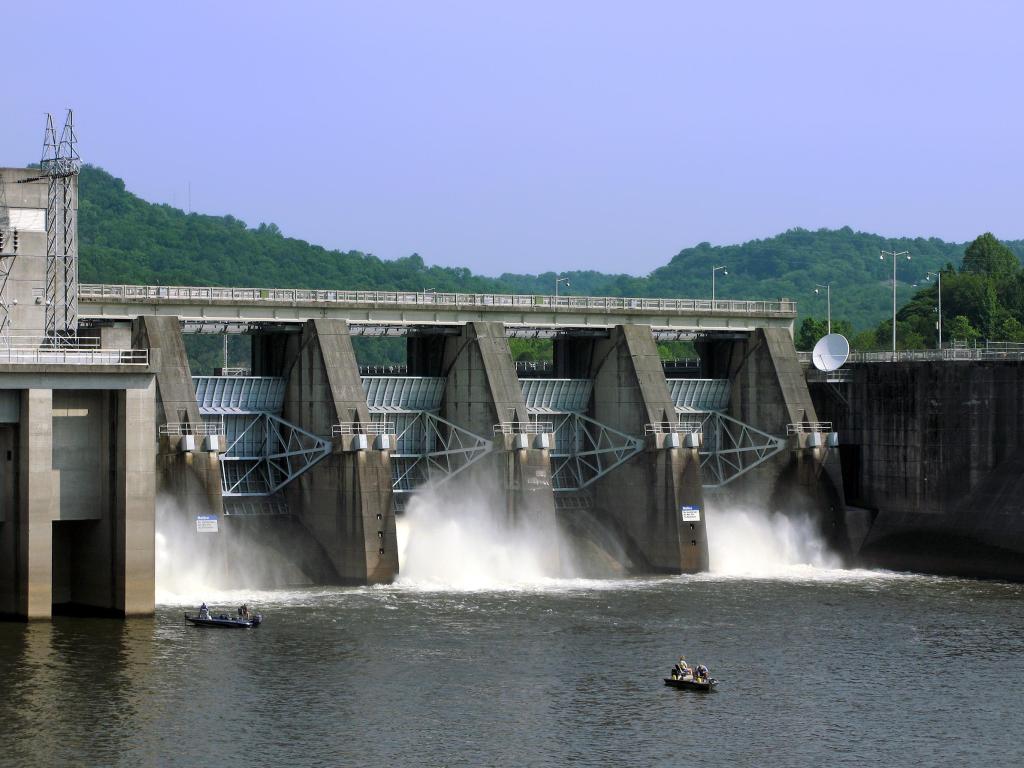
817 667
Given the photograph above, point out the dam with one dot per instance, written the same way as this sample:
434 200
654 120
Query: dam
305 452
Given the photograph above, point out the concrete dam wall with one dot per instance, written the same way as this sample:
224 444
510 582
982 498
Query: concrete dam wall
932 454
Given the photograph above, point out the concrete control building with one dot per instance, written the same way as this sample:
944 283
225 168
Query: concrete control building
77 442
304 454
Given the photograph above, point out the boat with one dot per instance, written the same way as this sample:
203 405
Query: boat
223 620
707 684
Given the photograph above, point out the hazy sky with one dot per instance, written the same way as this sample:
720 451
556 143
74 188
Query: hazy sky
532 136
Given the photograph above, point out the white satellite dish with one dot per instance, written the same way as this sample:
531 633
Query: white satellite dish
830 352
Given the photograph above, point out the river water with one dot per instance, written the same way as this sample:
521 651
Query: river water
818 667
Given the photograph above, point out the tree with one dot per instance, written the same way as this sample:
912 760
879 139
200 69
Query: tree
962 330
1009 329
813 328
988 256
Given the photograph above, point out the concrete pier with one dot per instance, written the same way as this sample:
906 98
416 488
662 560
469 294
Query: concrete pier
644 498
345 500
769 390
77 520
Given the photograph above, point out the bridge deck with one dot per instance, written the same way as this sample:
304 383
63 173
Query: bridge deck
269 305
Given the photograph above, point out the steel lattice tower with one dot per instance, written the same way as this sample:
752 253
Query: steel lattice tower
7 256
60 164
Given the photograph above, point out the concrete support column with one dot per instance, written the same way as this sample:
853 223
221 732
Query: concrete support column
192 479
134 556
482 389
37 505
345 500
769 392
643 498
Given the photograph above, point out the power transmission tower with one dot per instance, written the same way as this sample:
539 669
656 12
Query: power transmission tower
60 165
8 253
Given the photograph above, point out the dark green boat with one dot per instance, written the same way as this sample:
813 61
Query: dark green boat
707 684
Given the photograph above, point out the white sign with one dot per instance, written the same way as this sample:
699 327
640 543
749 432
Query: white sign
27 219
690 514
206 523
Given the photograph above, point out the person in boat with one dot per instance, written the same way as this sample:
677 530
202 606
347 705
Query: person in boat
702 672
204 612
681 671
243 612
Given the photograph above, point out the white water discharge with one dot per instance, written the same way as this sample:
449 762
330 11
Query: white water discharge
748 543
456 539
190 566
180 570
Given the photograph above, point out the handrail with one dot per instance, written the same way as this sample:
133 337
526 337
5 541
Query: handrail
667 427
523 428
87 356
90 292
803 427
30 341
202 429
363 428
991 351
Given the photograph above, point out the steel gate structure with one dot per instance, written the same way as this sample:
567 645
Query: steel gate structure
263 452
730 447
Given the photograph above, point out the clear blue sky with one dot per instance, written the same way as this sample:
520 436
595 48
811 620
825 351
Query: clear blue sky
530 136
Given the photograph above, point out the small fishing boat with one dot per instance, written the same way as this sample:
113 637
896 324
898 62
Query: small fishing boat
223 620
706 684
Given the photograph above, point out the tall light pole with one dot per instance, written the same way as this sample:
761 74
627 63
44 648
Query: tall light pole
559 280
929 277
828 295
725 271
894 255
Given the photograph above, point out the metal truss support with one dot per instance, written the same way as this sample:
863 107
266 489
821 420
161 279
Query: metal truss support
732 448
266 454
432 450
60 165
586 450
7 257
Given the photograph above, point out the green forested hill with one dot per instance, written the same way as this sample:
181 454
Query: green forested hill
124 239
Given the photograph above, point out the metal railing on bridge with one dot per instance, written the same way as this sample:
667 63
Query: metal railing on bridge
212 294
54 355
524 428
372 428
991 350
805 427
182 428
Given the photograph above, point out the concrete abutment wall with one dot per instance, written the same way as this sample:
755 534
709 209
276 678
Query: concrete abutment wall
933 457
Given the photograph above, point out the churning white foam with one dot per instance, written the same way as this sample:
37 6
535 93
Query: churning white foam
460 541
748 543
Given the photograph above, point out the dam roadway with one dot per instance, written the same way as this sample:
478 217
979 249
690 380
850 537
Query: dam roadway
275 305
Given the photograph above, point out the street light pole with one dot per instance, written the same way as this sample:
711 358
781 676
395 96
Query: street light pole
929 277
894 254
559 280
828 295
725 271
